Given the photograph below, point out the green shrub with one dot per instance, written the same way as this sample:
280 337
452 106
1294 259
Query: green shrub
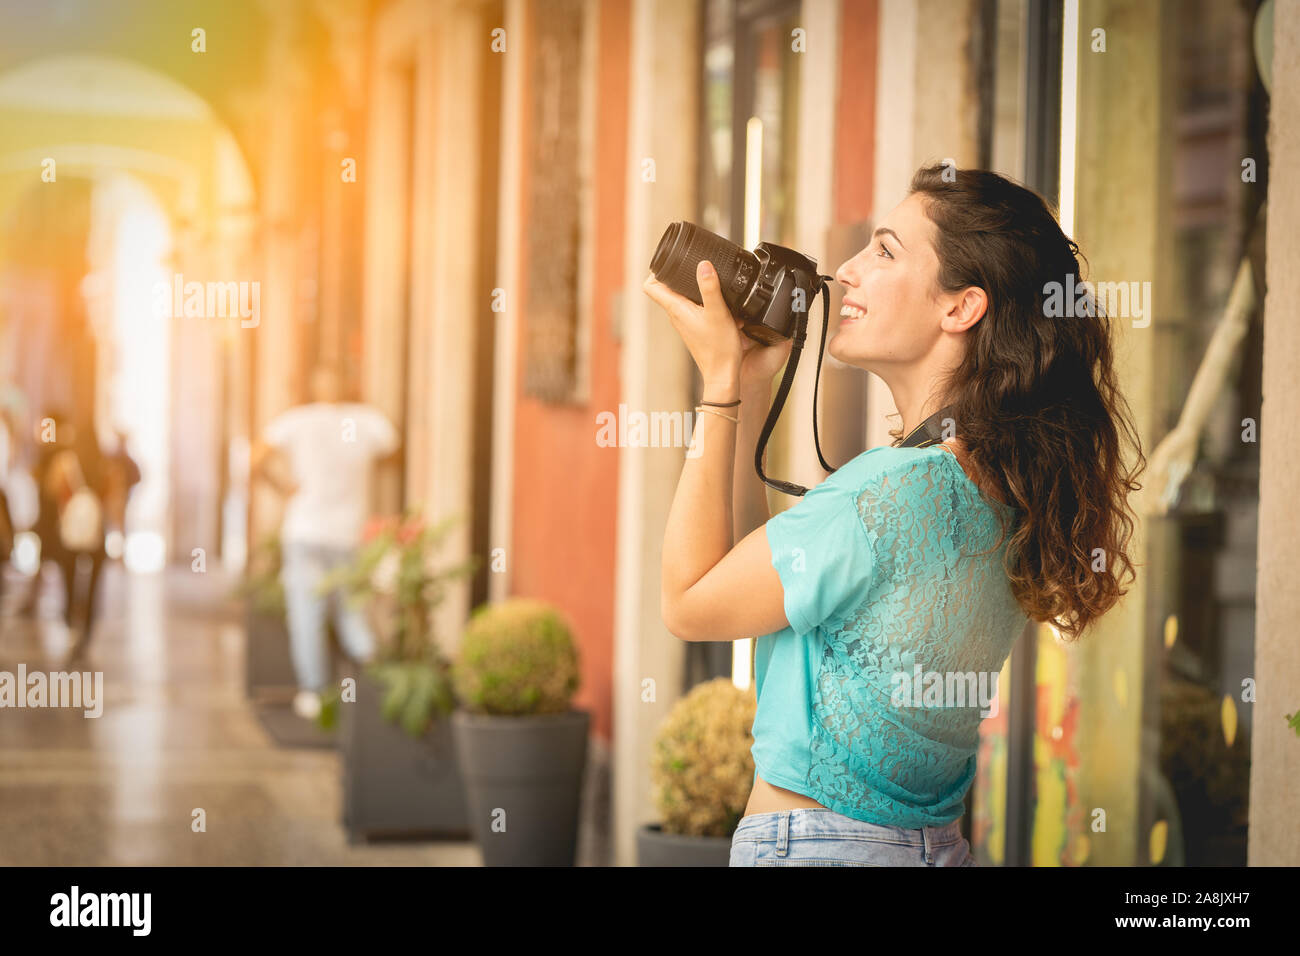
517 657
702 770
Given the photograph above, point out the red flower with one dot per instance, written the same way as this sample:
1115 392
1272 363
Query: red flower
410 531
377 526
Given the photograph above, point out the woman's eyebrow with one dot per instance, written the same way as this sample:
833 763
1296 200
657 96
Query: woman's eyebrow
890 232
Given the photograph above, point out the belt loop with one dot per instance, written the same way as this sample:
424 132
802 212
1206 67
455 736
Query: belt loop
783 834
926 837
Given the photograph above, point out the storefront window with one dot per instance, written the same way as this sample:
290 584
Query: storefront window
1138 740
1201 654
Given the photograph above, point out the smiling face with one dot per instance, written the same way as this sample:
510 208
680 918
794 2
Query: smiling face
893 307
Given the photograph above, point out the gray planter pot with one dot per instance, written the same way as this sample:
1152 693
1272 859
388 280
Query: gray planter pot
395 784
267 664
523 784
656 848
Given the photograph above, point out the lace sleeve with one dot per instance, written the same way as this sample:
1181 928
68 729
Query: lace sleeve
821 554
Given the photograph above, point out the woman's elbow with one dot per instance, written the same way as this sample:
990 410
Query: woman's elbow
677 623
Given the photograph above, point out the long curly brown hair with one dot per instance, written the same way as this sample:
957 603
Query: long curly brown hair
1036 400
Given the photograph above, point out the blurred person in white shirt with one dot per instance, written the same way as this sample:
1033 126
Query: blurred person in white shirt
329 449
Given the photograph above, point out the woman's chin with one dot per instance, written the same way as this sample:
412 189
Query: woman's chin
842 350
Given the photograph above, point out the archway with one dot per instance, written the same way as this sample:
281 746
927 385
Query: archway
132 181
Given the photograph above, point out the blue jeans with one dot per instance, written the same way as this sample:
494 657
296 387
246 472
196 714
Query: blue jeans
819 837
302 568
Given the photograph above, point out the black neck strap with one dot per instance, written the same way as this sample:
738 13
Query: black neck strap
929 432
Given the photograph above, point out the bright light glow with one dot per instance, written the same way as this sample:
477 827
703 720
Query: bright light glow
130 238
113 544
753 179
1069 113
740 653
27 552
146 552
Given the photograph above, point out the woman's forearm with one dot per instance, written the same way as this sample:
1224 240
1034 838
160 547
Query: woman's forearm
699 530
749 494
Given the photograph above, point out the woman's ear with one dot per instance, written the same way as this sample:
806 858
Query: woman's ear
967 307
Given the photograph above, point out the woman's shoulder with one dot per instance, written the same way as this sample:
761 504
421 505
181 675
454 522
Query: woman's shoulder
930 474
882 462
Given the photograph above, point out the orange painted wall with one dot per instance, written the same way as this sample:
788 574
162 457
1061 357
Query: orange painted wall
855 115
565 486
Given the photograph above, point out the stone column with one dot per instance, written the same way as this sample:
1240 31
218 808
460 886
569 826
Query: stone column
656 374
1122 230
450 311
384 173
276 343
1274 838
509 244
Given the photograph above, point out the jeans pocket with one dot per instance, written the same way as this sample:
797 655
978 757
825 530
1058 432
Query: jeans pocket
743 853
953 854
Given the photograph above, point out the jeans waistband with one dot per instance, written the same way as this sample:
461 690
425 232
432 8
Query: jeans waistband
783 825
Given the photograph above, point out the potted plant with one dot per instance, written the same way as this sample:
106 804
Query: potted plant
522 746
702 772
400 774
268 665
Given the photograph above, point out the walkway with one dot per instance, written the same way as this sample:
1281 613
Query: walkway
176 734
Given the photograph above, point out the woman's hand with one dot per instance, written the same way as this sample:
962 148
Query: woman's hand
722 357
710 332
761 362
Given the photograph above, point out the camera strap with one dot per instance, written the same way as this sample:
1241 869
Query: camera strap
929 432
783 391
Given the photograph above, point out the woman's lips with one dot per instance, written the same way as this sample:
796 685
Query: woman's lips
851 312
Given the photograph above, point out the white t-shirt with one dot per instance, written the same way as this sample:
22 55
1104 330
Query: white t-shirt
331 449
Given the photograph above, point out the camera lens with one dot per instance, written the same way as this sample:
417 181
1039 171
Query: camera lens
682 248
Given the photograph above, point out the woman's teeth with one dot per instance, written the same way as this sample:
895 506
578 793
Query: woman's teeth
850 312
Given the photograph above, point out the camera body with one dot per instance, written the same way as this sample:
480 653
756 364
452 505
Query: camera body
768 289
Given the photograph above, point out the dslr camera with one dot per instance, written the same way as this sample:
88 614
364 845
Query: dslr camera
769 289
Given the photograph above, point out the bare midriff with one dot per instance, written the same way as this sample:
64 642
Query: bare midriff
766 798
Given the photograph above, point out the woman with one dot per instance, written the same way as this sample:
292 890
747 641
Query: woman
888 597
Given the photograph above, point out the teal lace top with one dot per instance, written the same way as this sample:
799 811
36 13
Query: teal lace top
870 701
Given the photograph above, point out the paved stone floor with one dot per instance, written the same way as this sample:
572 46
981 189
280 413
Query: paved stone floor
176 734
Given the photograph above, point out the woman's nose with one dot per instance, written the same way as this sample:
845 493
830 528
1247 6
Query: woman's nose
846 274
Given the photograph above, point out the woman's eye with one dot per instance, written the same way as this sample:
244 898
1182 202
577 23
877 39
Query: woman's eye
885 252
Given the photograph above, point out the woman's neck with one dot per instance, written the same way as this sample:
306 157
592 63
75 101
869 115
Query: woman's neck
914 404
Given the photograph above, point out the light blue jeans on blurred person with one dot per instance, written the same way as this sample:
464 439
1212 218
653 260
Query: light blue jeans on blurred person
302 568
812 836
